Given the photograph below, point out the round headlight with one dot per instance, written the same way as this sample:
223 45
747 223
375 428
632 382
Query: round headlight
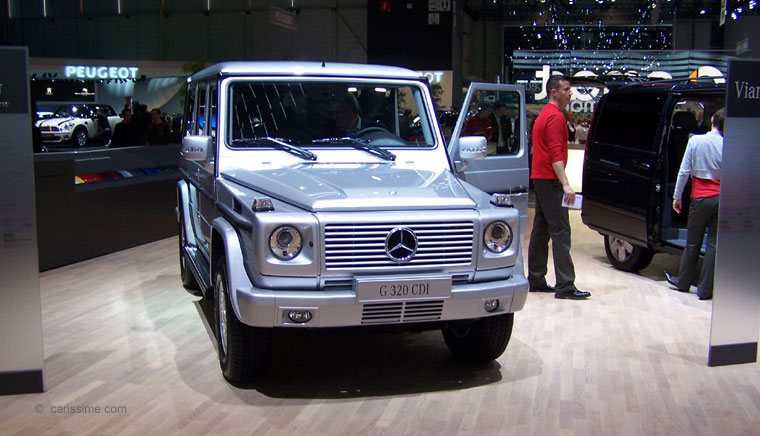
285 242
498 237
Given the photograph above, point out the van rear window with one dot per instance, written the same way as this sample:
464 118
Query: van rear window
630 120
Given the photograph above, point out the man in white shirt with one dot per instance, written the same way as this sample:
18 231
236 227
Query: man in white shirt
702 162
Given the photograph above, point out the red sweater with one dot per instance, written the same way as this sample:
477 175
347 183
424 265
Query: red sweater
704 188
549 142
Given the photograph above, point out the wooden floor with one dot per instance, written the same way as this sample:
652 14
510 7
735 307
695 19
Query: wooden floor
120 332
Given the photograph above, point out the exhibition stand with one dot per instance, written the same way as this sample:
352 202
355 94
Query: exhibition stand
94 202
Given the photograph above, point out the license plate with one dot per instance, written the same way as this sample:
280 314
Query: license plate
384 288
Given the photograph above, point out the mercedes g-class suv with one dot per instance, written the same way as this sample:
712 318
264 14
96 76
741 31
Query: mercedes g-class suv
637 139
306 203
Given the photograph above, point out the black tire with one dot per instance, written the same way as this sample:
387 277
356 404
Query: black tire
481 341
625 256
244 351
79 138
188 279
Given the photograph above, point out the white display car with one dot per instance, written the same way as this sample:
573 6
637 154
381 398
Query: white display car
75 123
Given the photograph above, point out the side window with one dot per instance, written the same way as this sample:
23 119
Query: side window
211 159
189 111
495 115
212 111
630 120
691 116
201 126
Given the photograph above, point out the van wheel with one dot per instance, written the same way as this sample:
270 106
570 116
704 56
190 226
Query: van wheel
481 341
625 256
244 351
188 279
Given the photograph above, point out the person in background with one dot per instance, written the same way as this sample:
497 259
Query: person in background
125 134
128 103
104 128
500 127
141 118
344 112
480 123
702 161
158 131
570 125
551 186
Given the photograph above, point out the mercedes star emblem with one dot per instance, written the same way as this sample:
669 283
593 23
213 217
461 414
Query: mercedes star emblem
401 244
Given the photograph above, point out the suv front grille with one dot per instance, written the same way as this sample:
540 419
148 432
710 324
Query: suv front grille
408 311
355 246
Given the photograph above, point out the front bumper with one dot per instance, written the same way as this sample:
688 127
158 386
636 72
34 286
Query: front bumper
342 308
56 137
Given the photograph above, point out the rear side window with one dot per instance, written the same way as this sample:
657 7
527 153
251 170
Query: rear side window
630 120
190 110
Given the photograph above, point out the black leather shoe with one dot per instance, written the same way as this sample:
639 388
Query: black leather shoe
573 294
544 288
705 297
671 282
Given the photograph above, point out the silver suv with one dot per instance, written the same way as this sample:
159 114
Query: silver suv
322 195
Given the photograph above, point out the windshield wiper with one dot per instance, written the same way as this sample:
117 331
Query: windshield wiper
279 144
359 145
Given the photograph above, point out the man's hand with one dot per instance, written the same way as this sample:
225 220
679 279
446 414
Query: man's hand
677 205
569 193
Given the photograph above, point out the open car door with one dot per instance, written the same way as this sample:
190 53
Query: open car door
497 112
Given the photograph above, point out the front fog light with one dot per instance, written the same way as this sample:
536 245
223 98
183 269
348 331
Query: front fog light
285 242
498 237
299 316
491 305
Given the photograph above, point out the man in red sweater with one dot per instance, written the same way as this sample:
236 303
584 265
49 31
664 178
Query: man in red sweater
550 185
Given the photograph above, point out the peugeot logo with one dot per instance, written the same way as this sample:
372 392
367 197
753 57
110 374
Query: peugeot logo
401 244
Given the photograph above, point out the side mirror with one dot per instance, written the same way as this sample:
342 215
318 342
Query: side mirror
472 147
195 147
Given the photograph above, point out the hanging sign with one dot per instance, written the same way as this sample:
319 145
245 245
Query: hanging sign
283 18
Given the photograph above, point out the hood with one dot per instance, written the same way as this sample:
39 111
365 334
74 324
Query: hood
351 187
55 122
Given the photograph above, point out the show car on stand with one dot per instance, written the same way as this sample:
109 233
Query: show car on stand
304 204
75 124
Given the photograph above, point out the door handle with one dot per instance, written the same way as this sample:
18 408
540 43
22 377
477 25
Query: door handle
518 191
642 165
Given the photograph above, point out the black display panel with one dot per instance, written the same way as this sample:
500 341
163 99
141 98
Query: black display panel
63 90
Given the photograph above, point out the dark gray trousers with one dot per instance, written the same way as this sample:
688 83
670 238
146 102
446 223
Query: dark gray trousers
550 222
703 216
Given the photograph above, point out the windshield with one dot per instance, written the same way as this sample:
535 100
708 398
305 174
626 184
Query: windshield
74 110
328 113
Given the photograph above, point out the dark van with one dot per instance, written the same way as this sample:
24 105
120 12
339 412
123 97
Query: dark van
637 139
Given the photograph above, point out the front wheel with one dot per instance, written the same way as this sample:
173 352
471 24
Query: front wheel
481 341
80 138
244 351
625 256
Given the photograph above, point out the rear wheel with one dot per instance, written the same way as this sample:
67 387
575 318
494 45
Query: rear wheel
79 139
244 351
625 256
481 341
